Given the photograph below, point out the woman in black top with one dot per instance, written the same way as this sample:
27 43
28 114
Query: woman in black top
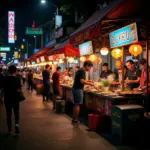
11 87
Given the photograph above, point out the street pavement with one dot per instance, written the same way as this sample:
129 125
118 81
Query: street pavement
43 129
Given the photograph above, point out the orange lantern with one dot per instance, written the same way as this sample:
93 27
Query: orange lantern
93 58
82 59
135 49
118 63
117 53
104 51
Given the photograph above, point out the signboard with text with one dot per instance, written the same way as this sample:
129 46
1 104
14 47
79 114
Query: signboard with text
4 49
34 31
86 48
11 27
58 21
124 36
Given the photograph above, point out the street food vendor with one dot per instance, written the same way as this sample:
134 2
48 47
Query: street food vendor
143 78
70 72
106 72
133 75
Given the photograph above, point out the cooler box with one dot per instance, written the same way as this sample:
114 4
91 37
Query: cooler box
127 121
93 121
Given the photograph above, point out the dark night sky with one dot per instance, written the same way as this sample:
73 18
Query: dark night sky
26 11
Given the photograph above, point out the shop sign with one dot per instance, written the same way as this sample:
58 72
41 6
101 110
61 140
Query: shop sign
42 58
58 21
16 54
4 49
50 58
124 36
86 48
38 60
11 27
34 31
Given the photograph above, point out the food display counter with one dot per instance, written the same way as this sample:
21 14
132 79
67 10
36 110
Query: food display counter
104 101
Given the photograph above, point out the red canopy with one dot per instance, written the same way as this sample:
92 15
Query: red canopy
66 49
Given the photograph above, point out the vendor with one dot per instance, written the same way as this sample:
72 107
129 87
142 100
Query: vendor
133 75
106 72
143 78
70 72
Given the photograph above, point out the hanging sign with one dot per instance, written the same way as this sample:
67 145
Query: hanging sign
124 36
11 27
5 49
86 48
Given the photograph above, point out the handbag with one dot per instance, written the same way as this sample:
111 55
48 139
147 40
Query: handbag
21 96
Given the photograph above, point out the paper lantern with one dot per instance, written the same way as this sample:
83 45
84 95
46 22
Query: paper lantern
93 58
104 51
82 59
61 61
135 49
71 60
117 53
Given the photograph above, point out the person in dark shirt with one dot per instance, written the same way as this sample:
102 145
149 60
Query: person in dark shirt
1 83
133 75
77 90
106 72
46 82
30 81
56 85
11 86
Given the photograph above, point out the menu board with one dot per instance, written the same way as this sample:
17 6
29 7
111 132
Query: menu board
86 48
42 59
50 58
124 36
38 60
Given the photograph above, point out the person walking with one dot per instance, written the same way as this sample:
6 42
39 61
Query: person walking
46 82
77 90
11 87
30 81
23 77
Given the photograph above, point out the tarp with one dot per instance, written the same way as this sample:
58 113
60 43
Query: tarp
91 28
64 48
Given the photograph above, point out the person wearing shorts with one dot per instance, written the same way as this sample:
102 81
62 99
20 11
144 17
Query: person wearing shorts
56 85
77 90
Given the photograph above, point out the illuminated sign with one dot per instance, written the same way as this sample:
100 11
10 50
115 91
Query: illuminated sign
42 59
16 54
16 61
58 21
86 48
34 31
36 50
124 36
4 49
38 60
11 27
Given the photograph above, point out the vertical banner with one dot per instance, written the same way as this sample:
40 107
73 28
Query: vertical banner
16 54
11 27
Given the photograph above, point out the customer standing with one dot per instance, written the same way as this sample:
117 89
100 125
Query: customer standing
56 85
11 87
30 81
77 89
46 82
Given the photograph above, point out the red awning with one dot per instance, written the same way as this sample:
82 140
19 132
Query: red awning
66 49
91 28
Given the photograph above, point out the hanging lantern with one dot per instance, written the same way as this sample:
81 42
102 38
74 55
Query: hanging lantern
83 59
93 58
104 51
117 53
71 60
61 61
135 49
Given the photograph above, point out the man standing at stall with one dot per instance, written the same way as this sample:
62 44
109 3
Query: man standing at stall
46 82
106 72
77 89
56 85
133 75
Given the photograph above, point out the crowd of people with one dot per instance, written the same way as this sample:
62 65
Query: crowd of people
11 82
